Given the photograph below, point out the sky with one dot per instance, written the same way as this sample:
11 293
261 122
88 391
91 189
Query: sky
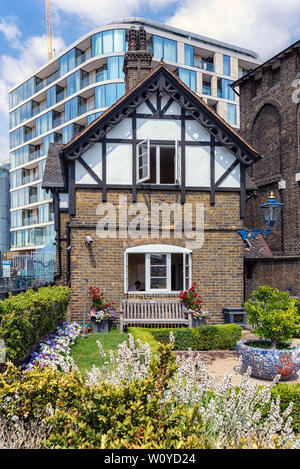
266 26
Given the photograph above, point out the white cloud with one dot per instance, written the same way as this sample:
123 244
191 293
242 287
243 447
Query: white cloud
31 55
4 151
266 26
100 12
9 28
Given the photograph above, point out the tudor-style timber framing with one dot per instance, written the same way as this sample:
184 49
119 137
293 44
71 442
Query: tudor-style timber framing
161 81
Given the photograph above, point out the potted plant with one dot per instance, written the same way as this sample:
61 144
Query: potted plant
192 302
101 311
275 319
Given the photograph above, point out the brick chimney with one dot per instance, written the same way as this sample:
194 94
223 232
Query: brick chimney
137 61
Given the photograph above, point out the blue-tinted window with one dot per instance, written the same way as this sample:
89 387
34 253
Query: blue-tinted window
106 95
226 65
23 113
188 77
108 41
164 48
44 123
54 95
115 67
206 88
224 90
92 117
67 62
231 115
30 87
77 81
24 155
70 60
188 55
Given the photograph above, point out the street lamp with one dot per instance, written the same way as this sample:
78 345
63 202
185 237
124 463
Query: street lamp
271 211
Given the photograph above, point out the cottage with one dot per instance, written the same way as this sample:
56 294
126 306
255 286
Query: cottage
150 196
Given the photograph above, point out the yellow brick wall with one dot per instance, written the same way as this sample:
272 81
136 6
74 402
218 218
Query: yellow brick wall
217 267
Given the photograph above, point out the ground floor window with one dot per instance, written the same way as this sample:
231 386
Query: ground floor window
157 269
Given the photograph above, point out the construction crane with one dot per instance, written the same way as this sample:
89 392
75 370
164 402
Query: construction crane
49 29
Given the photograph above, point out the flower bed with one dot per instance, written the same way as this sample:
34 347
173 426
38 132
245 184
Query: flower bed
55 351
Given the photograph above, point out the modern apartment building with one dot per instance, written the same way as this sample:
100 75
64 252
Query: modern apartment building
4 208
75 87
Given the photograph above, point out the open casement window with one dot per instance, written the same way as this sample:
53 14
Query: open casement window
158 164
177 163
158 268
143 161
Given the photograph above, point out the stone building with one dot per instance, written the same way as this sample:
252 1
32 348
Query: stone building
270 121
158 148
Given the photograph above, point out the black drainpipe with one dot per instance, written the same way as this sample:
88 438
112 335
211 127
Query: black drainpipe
68 253
57 229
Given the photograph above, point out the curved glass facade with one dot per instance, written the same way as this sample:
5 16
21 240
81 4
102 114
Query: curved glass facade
70 95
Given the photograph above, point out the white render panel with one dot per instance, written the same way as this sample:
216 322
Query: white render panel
144 109
195 132
173 109
158 129
122 130
197 166
82 176
223 160
93 157
233 179
118 163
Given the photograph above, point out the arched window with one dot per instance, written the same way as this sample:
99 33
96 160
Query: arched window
158 268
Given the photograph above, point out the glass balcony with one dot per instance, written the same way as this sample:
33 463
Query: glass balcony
205 65
55 76
33 199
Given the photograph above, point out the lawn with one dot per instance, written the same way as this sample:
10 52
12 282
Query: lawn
85 352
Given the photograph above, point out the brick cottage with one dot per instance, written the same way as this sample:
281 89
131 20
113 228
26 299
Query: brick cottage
158 147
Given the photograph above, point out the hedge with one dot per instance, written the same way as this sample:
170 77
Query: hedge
216 337
30 316
145 336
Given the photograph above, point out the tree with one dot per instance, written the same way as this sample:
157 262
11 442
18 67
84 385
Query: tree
274 315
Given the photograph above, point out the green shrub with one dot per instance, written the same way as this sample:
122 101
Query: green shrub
104 416
26 318
274 315
296 334
209 337
288 393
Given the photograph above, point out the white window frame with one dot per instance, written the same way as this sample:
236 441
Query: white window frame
147 165
177 162
163 249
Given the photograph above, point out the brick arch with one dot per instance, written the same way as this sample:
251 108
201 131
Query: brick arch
266 139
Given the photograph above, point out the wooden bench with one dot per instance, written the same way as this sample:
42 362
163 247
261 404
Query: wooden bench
153 312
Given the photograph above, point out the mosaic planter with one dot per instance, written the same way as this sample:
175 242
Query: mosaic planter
100 326
267 363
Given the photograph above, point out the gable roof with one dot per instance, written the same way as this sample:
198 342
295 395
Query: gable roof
268 63
167 81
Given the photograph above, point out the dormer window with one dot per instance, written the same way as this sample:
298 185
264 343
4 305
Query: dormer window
158 164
